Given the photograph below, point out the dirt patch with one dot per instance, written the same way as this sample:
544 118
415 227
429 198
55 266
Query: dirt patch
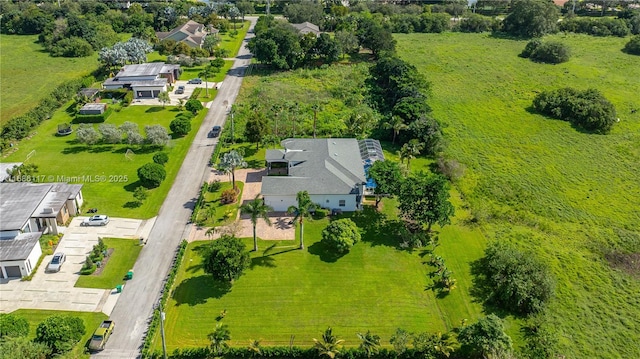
105 260
626 262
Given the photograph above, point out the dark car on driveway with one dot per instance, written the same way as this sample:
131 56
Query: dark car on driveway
196 81
215 131
180 90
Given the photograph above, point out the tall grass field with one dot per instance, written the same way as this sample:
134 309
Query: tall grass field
571 197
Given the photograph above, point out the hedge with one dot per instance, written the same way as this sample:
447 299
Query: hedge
155 320
19 127
285 352
93 118
196 93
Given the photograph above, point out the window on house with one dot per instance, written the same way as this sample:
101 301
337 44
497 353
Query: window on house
342 203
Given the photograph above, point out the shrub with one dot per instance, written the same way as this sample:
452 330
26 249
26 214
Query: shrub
193 106
196 93
214 186
161 158
89 266
87 134
128 98
320 213
180 126
341 235
151 175
551 52
596 26
60 333
226 259
484 338
228 196
587 109
633 46
110 133
93 118
476 23
515 280
157 135
13 326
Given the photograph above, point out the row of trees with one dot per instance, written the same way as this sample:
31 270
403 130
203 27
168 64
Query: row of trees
156 135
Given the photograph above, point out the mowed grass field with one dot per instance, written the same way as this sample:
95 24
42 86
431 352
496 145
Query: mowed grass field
566 195
108 173
28 73
291 292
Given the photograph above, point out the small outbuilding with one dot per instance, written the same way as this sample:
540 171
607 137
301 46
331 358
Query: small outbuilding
93 109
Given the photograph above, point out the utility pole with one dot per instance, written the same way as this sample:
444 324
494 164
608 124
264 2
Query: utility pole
164 344
268 7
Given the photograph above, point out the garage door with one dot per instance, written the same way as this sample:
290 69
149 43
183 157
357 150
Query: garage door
280 203
144 94
13 271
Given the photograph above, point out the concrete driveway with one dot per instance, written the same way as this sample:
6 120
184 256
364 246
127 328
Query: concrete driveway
188 90
280 228
56 291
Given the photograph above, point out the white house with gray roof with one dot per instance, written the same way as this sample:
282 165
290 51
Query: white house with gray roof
27 210
331 170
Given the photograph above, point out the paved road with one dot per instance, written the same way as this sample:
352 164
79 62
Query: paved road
135 305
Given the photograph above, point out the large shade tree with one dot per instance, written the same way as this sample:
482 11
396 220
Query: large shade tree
425 200
532 18
303 209
256 209
226 259
387 176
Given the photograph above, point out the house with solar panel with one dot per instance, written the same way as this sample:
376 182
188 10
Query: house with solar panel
332 170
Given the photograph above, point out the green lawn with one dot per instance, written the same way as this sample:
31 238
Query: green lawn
21 56
233 43
253 157
124 255
375 287
218 214
61 157
566 195
192 72
91 322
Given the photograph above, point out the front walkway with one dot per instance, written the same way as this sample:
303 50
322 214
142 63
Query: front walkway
252 178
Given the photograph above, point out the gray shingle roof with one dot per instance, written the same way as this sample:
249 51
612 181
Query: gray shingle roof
19 248
319 166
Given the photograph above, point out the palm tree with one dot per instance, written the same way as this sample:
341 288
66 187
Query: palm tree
206 73
396 124
256 209
255 348
209 233
229 162
219 339
304 208
330 345
370 343
409 151
443 344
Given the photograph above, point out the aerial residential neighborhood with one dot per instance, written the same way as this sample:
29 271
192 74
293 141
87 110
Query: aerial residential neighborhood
302 179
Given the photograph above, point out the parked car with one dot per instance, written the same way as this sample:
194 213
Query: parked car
101 335
97 220
195 81
56 262
215 131
180 90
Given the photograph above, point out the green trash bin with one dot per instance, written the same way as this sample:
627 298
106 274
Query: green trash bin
129 275
119 288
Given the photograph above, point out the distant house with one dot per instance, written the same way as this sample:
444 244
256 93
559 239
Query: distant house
307 27
146 80
93 109
191 33
331 170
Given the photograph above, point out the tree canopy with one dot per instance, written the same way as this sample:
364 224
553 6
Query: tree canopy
532 18
226 258
388 177
425 199
60 333
341 235
485 337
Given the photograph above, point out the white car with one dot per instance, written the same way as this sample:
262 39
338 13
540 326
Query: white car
56 262
97 220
